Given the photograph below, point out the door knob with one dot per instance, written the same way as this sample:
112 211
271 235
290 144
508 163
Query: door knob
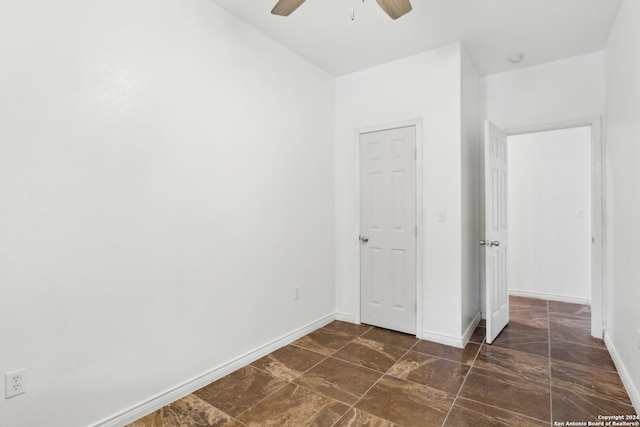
364 239
494 243
484 242
489 243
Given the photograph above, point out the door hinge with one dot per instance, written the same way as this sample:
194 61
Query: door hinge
415 231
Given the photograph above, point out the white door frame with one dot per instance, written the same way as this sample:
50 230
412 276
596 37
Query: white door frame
419 214
597 173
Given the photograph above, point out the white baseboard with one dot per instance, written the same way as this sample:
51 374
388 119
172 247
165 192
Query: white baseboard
633 392
452 341
346 317
154 403
550 297
472 327
443 339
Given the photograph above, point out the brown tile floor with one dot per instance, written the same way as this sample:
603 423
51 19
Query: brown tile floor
544 367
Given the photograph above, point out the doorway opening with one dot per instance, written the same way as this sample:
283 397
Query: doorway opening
549 215
591 217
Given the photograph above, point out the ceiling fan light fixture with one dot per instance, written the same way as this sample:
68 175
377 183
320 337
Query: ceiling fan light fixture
394 8
514 58
286 7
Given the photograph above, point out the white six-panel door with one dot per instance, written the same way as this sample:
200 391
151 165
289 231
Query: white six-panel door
388 229
496 241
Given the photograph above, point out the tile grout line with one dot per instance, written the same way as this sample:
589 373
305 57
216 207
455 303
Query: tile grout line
375 383
353 338
598 368
371 328
323 360
472 365
463 382
287 382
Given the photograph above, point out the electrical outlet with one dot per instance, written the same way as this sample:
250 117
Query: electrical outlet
296 295
15 383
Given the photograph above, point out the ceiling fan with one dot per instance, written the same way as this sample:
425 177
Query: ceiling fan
394 8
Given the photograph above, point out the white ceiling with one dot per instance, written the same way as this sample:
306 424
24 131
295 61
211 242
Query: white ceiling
544 30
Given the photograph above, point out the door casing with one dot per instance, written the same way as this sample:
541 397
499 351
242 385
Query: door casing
417 123
598 199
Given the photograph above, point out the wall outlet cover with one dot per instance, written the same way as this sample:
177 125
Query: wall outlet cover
15 383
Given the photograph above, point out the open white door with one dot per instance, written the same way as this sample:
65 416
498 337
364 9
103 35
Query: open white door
495 242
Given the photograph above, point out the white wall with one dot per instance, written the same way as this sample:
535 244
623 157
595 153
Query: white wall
166 179
623 180
471 151
426 87
558 91
550 215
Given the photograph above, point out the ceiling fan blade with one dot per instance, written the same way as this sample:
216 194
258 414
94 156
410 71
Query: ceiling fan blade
395 8
286 7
